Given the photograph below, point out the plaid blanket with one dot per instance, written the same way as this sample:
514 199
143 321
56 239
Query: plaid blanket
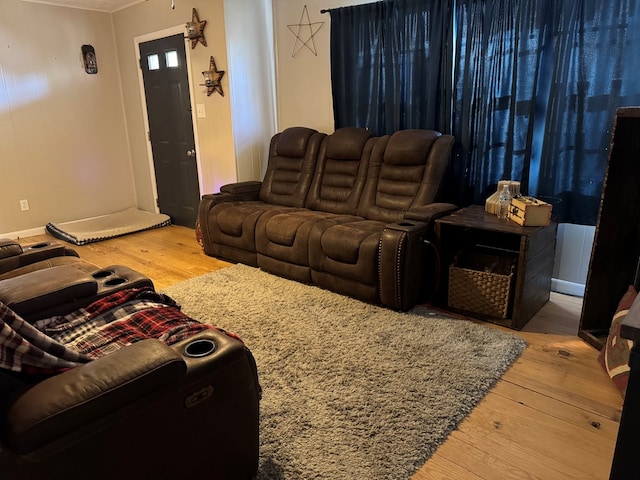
58 343
23 348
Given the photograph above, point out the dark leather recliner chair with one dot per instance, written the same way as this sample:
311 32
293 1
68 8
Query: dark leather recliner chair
146 411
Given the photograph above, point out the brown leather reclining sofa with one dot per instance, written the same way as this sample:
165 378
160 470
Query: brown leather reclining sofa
149 410
348 212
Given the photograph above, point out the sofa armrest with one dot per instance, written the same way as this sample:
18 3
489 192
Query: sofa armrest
251 187
234 192
13 255
214 349
402 269
62 404
431 212
9 248
41 290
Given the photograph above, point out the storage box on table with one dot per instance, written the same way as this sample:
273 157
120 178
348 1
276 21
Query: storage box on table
482 283
530 212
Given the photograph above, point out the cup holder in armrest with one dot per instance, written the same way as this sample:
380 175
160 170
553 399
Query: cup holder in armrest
200 348
102 274
112 282
118 277
109 282
37 246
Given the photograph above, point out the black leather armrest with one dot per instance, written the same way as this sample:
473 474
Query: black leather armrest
235 192
13 256
251 186
431 212
60 405
43 289
213 350
401 264
408 226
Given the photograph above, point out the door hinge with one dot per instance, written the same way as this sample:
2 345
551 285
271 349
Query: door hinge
149 135
140 63
158 202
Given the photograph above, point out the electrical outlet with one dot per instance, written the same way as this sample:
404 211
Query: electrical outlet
24 205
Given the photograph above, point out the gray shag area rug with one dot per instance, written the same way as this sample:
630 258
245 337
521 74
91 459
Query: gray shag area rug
350 390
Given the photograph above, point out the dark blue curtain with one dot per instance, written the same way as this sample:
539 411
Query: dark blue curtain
498 57
389 67
595 69
529 91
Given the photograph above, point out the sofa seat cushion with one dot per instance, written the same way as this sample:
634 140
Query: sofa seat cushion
282 229
342 243
285 235
234 218
234 223
347 249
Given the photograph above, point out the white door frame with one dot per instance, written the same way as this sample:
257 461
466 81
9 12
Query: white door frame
167 32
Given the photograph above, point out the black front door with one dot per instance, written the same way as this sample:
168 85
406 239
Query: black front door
166 85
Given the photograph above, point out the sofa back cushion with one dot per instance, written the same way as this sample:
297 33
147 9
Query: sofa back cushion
341 171
408 173
292 160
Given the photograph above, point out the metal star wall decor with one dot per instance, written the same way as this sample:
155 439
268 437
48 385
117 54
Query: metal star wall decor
212 78
195 29
304 33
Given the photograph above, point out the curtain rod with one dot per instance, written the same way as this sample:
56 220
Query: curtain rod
328 10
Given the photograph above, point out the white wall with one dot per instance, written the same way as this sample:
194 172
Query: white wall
63 144
304 80
249 27
573 253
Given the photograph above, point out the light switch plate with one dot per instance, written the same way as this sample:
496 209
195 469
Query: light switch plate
200 110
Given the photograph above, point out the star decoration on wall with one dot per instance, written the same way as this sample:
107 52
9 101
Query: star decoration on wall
304 33
195 29
213 78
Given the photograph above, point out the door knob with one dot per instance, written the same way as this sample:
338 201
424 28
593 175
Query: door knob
191 153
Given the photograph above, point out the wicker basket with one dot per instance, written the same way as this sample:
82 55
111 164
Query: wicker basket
478 291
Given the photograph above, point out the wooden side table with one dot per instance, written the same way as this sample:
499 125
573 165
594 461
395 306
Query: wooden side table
471 228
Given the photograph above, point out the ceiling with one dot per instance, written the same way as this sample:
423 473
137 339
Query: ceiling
97 5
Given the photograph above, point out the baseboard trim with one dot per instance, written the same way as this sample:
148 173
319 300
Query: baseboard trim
24 233
568 288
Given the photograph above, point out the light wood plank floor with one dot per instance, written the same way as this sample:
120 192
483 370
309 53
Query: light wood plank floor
553 415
